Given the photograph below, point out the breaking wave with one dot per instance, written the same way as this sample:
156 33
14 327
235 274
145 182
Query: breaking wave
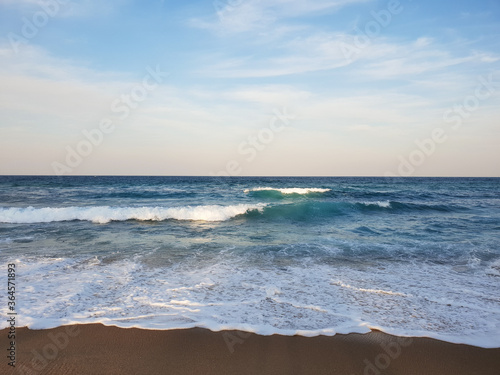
301 191
105 214
302 210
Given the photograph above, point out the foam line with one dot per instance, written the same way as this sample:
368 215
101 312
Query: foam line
105 214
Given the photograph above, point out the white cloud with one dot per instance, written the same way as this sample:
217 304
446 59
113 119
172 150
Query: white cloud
35 61
297 55
380 59
255 15
408 61
423 42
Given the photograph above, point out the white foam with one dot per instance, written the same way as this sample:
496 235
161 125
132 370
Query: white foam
377 291
290 190
229 293
383 204
105 214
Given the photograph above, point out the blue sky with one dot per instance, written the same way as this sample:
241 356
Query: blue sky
250 87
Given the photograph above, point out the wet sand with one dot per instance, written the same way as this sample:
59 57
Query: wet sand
98 349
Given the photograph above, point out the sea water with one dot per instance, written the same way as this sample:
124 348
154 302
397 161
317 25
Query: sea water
307 256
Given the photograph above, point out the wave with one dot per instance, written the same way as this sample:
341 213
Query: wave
395 206
279 193
303 210
290 190
382 204
105 214
311 210
425 207
146 194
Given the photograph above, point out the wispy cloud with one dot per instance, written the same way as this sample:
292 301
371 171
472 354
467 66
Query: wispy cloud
257 15
295 56
382 58
49 92
35 61
411 60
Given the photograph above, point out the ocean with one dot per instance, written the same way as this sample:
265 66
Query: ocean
285 255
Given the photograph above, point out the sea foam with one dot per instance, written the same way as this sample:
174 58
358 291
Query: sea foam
222 295
105 214
290 190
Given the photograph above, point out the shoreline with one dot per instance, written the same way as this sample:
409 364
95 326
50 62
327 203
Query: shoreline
99 349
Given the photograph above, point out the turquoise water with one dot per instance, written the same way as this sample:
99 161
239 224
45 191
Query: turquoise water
409 256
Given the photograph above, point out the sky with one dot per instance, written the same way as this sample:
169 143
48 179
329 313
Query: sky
250 87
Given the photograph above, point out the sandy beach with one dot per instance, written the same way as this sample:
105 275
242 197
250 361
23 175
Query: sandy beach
98 349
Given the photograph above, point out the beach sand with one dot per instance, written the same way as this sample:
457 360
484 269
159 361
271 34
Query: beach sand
98 349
